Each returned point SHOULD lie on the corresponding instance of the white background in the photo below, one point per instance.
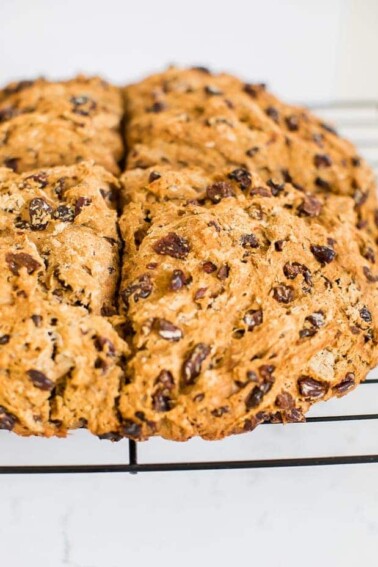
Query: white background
(306, 50)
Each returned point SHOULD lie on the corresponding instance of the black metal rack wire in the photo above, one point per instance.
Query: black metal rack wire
(358, 120)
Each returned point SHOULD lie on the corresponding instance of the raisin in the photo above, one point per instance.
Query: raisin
(252, 151)
(193, 363)
(157, 106)
(253, 89)
(278, 245)
(218, 191)
(322, 184)
(21, 260)
(253, 318)
(165, 380)
(7, 112)
(311, 388)
(83, 105)
(131, 429)
(40, 214)
(292, 123)
(310, 206)
(322, 160)
(110, 436)
(4, 339)
(11, 163)
(305, 333)
(102, 343)
(81, 203)
(60, 187)
(316, 319)
(40, 380)
(368, 253)
(275, 187)
(369, 275)
(37, 319)
(242, 176)
(273, 113)
(21, 224)
(212, 90)
(161, 402)
(200, 293)
(40, 179)
(139, 289)
(293, 269)
(285, 401)
(108, 310)
(365, 315)
(218, 412)
(346, 384)
(257, 394)
(223, 272)
(178, 280)
(323, 254)
(283, 293)
(360, 197)
(266, 371)
(101, 364)
(172, 245)
(154, 175)
(7, 419)
(249, 241)
(64, 213)
(294, 415)
(167, 330)
(209, 267)
(254, 398)
(261, 191)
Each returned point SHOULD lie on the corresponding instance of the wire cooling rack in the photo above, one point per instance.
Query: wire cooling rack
(347, 427)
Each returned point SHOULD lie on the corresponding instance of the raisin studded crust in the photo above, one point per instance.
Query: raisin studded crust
(242, 308)
(44, 124)
(239, 284)
(60, 367)
(192, 118)
(61, 360)
(68, 216)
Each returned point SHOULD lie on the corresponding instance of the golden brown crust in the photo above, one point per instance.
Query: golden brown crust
(60, 368)
(191, 118)
(61, 361)
(68, 214)
(44, 124)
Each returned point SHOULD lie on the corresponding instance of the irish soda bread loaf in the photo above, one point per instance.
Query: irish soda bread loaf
(239, 284)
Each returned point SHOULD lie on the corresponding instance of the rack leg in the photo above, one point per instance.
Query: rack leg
(133, 455)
